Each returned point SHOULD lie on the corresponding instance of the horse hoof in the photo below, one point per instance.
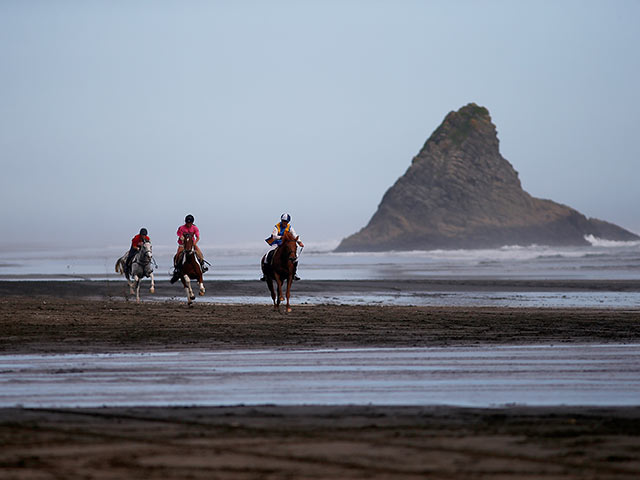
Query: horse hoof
(152, 290)
(202, 294)
(289, 310)
(193, 297)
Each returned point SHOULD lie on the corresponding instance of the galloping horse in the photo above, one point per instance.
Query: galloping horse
(141, 267)
(189, 269)
(282, 267)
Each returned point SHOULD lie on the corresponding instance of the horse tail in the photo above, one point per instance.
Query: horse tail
(119, 268)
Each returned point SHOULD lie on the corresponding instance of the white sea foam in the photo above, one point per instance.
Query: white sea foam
(601, 242)
(600, 259)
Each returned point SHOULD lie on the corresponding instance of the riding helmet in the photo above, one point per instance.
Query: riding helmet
(285, 217)
(188, 219)
(143, 231)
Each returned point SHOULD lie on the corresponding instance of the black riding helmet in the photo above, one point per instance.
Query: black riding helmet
(188, 219)
(143, 231)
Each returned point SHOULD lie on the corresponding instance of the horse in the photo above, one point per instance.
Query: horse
(281, 268)
(188, 269)
(141, 267)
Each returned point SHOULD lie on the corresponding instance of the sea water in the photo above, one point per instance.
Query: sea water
(598, 261)
(601, 260)
(479, 376)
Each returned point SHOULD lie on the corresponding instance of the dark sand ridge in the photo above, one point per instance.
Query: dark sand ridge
(118, 289)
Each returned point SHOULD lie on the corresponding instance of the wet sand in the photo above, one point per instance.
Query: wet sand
(316, 442)
(305, 441)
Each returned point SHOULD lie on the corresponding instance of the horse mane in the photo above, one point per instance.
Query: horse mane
(288, 237)
(188, 238)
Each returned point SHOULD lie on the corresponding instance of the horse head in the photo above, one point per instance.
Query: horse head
(188, 243)
(146, 250)
(290, 244)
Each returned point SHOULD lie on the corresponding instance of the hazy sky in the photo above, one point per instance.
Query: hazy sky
(121, 114)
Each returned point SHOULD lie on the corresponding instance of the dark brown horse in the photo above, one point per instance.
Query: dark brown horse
(281, 268)
(189, 268)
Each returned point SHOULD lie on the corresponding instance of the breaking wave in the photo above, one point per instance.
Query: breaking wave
(601, 242)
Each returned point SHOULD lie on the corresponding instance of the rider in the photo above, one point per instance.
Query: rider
(276, 237)
(189, 227)
(136, 243)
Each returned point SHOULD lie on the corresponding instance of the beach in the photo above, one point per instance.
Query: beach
(306, 441)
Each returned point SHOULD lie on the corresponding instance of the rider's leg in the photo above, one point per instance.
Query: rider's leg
(295, 271)
(201, 258)
(176, 257)
(127, 264)
(267, 260)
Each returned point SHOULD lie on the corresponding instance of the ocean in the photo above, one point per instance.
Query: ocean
(600, 261)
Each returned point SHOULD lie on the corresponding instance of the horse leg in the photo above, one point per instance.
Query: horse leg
(279, 284)
(153, 285)
(187, 287)
(136, 280)
(273, 292)
(201, 285)
(131, 283)
(289, 280)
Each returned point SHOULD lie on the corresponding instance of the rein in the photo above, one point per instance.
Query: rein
(138, 258)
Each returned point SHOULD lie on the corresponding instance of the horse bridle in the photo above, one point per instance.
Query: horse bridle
(190, 250)
(147, 255)
(293, 258)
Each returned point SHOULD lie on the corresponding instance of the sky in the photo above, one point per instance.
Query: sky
(122, 114)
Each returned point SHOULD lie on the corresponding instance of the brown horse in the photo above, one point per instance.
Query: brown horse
(281, 268)
(188, 268)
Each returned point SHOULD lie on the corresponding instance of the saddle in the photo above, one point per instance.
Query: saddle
(268, 259)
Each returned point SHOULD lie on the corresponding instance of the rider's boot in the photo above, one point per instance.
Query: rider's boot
(295, 271)
(203, 265)
(176, 270)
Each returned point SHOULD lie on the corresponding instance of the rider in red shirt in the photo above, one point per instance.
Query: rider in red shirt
(136, 243)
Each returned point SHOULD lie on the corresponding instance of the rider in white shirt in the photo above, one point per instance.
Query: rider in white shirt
(278, 231)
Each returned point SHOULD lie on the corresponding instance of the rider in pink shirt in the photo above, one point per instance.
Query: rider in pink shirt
(189, 227)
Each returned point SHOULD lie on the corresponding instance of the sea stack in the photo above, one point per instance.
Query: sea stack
(459, 192)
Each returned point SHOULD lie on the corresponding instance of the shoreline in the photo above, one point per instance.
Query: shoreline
(468, 292)
(79, 285)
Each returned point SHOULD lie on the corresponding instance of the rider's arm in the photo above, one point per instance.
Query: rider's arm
(293, 232)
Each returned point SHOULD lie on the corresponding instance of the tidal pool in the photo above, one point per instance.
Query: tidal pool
(482, 376)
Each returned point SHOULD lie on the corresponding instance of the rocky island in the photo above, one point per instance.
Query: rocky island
(459, 192)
